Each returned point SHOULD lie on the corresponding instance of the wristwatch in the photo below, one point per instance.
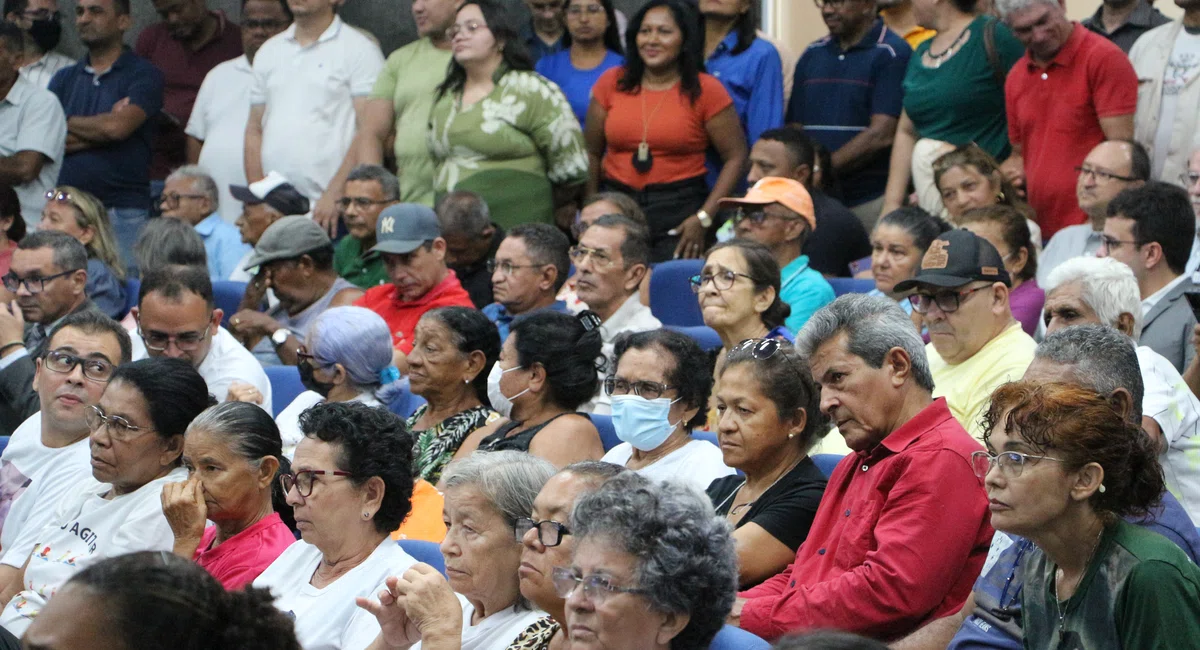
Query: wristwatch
(280, 336)
(705, 220)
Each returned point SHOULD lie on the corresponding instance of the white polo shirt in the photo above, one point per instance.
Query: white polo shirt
(32, 119)
(219, 121)
(309, 94)
(227, 361)
(1169, 402)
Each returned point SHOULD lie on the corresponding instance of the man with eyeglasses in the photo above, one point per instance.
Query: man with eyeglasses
(48, 274)
(975, 344)
(1091, 356)
(42, 23)
(778, 213)
(530, 267)
(1150, 229)
(216, 129)
(49, 452)
(544, 32)
(611, 259)
(178, 318)
(410, 241)
(190, 195)
(295, 261)
(1110, 168)
(471, 242)
(369, 189)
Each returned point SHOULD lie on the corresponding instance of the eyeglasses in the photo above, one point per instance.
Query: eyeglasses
(119, 428)
(722, 280)
(360, 202)
(1112, 244)
(173, 199)
(550, 533)
(600, 259)
(760, 349)
(60, 196)
(646, 389)
(1189, 179)
(758, 217)
(1010, 462)
(596, 588)
(304, 479)
(185, 341)
(947, 301)
(33, 285)
(261, 24)
(545, 6)
(1102, 176)
(470, 28)
(507, 268)
(98, 370)
(40, 14)
(591, 10)
(821, 4)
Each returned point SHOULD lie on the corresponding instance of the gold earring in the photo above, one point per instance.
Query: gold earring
(1000, 195)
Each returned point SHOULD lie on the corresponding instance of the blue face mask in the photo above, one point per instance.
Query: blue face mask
(643, 423)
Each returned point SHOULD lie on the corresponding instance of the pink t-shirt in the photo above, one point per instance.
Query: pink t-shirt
(241, 558)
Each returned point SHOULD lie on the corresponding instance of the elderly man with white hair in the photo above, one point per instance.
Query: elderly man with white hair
(1104, 291)
(192, 196)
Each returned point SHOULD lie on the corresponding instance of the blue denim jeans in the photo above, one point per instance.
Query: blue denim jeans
(127, 224)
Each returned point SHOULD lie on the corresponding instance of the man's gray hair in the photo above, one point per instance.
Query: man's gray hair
(685, 556)
(388, 183)
(1101, 359)
(1006, 8)
(509, 480)
(203, 183)
(463, 212)
(69, 254)
(1106, 285)
(873, 326)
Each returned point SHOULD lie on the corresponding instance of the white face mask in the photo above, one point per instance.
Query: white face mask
(500, 402)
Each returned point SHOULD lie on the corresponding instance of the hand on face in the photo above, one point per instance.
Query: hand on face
(12, 323)
(185, 510)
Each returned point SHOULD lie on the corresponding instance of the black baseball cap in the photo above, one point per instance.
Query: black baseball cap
(275, 191)
(955, 258)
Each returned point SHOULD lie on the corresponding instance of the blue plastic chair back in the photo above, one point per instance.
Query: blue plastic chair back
(671, 297)
(228, 296)
(733, 638)
(608, 434)
(704, 336)
(827, 462)
(423, 551)
(843, 286)
(285, 386)
(707, 436)
(3, 443)
(132, 287)
(405, 403)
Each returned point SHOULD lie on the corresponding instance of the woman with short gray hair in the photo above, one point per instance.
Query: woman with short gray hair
(478, 605)
(653, 567)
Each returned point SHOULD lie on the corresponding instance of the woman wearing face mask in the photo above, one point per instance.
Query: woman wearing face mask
(659, 390)
(546, 371)
(347, 357)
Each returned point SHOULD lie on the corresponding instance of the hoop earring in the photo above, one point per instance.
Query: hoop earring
(1000, 195)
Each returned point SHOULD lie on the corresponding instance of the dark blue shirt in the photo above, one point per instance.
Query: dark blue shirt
(499, 315)
(536, 46)
(576, 84)
(117, 173)
(836, 92)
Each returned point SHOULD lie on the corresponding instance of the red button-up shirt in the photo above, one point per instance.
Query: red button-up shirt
(402, 316)
(899, 539)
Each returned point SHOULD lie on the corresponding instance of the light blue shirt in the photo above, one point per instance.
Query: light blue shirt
(804, 290)
(499, 315)
(223, 246)
(754, 80)
(1072, 241)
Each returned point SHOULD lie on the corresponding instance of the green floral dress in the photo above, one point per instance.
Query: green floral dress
(512, 147)
(434, 448)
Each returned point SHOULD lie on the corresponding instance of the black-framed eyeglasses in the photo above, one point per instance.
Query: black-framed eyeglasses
(469, 27)
(261, 24)
(947, 301)
(41, 14)
(173, 199)
(592, 10)
(507, 268)
(119, 428)
(760, 349)
(646, 389)
(360, 202)
(549, 533)
(758, 217)
(33, 285)
(1101, 175)
(1189, 179)
(185, 341)
(304, 479)
(97, 370)
(1112, 243)
(1010, 462)
(596, 588)
(722, 280)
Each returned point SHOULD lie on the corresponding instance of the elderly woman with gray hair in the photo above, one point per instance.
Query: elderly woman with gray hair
(478, 605)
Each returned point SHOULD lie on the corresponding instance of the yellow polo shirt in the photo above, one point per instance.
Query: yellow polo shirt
(968, 386)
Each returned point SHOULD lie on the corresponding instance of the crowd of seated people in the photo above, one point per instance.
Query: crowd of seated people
(599, 331)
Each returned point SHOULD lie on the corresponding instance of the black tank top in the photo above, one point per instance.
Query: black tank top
(500, 441)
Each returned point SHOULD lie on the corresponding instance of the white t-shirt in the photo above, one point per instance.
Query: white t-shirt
(88, 528)
(52, 473)
(1170, 403)
(328, 619)
(219, 121)
(288, 419)
(308, 93)
(697, 464)
(495, 632)
(227, 361)
(1182, 67)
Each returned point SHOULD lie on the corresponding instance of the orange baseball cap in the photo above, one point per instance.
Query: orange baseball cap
(784, 191)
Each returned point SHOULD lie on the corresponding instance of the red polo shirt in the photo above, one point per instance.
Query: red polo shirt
(1054, 115)
(899, 539)
(402, 316)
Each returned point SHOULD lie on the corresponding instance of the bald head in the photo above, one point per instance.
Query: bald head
(1112, 166)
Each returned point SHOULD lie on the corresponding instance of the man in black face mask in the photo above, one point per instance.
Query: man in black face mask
(43, 28)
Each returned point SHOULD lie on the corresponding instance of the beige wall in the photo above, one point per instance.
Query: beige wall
(798, 22)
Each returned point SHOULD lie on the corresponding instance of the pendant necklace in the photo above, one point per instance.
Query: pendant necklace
(643, 160)
(939, 58)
